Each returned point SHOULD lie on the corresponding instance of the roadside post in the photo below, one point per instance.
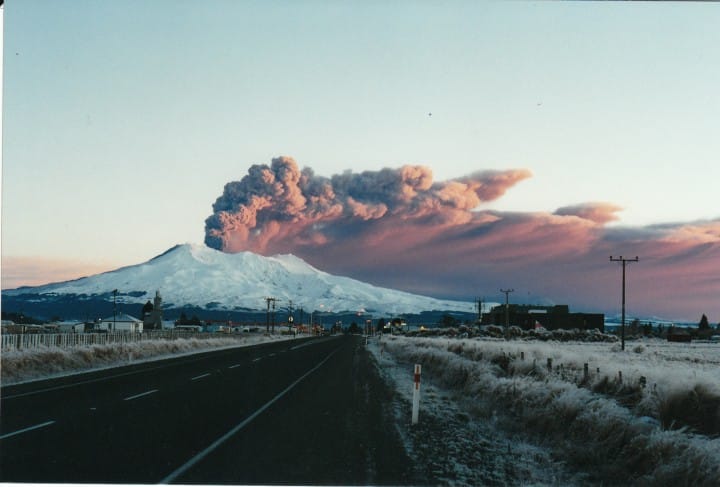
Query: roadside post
(416, 395)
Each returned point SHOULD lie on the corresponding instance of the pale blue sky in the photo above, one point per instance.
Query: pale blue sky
(124, 120)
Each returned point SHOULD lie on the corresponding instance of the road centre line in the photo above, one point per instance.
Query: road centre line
(25, 430)
(147, 393)
(201, 376)
(257, 359)
(234, 366)
(214, 445)
(312, 342)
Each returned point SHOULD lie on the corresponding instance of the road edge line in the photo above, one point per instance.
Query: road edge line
(25, 430)
(215, 444)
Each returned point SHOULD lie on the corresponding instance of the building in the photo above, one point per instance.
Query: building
(120, 322)
(677, 334)
(70, 327)
(152, 313)
(549, 317)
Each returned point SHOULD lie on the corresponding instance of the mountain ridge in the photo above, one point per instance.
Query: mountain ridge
(197, 275)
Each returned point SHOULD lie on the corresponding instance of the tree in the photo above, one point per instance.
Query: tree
(447, 321)
(634, 327)
(146, 309)
(704, 324)
(381, 325)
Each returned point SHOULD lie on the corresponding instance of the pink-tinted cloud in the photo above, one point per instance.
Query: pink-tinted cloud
(596, 212)
(36, 271)
(399, 228)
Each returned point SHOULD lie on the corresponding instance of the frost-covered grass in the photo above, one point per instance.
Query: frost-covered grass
(452, 446)
(659, 425)
(47, 362)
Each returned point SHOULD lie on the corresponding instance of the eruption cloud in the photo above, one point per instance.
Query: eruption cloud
(277, 203)
(399, 228)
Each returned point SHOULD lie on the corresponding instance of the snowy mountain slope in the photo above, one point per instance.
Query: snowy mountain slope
(197, 275)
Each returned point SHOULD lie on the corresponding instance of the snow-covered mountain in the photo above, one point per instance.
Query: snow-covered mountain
(197, 275)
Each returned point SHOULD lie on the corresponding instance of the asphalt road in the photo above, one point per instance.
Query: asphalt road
(308, 411)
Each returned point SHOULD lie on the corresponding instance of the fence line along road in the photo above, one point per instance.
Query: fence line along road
(69, 340)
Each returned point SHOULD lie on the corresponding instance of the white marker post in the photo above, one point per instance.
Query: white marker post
(416, 395)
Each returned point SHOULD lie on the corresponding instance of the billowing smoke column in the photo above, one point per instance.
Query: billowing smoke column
(279, 208)
(397, 228)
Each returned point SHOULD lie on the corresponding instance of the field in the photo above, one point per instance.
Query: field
(649, 415)
(48, 362)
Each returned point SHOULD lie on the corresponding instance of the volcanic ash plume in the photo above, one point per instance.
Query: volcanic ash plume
(280, 208)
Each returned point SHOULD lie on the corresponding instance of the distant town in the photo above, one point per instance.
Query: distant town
(506, 320)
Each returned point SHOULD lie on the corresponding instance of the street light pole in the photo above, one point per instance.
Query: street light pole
(624, 262)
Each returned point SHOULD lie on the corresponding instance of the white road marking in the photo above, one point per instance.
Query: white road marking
(312, 342)
(25, 430)
(147, 393)
(201, 376)
(174, 362)
(234, 366)
(257, 359)
(214, 445)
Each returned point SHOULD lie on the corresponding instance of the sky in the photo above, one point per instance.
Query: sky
(583, 130)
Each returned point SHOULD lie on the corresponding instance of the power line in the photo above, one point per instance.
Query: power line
(624, 262)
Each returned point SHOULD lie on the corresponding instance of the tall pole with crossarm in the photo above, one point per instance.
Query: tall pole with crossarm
(624, 262)
(507, 307)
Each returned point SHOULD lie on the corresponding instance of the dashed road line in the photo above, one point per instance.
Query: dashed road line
(257, 359)
(234, 366)
(314, 341)
(146, 393)
(173, 363)
(25, 430)
(214, 445)
(201, 376)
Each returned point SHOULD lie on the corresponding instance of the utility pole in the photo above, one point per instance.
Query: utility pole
(507, 307)
(624, 262)
(267, 315)
(479, 310)
(291, 318)
(114, 309)
(274, 315)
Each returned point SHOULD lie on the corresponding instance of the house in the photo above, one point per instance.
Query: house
(676, 334)
(120, 322)
(70, 327)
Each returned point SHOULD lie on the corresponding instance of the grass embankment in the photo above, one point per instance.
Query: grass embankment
(659, 425)
(46, 362)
